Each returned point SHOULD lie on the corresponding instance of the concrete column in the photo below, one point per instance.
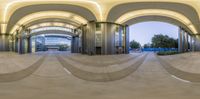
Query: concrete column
(183, 40)
(83, 40)
(29, 48)
(120, 36)
(75, 44)
(197, 42)
(180, 40)
(186, 41)
(104, 38)
(192, 43)
(127, 39)
(11, 43)
(22, 42)
(20, 45)
(90, 38)
(4, 42)
(23, 45)
(29, 44)
(16, 44)
(110, 38)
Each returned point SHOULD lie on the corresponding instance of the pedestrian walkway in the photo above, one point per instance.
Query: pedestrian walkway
(56, 77)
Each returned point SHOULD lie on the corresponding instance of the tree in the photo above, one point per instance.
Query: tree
(63, 47)
(134, 44)
(164, 41)
(148, 45)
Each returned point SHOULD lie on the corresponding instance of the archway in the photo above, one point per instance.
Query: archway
(110, 37)
(154, 36)
(25, 39)
(187, 28)
(36, 21)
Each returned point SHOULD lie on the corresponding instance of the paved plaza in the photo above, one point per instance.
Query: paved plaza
(51, 75)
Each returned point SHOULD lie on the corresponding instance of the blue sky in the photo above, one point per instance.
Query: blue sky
(144, 31)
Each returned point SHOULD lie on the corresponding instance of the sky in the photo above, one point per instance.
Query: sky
(144, 31)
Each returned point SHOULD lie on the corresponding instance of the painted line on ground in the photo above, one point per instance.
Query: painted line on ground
(67, 71)
(186, 81)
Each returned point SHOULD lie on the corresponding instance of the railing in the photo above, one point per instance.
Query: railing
(159, 49)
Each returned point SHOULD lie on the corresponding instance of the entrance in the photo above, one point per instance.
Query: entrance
(51, 42)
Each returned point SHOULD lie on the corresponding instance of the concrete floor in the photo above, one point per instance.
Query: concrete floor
(63, 76)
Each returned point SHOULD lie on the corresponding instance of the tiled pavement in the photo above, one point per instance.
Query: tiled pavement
(54, 80)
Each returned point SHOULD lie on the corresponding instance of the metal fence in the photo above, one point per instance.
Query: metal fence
(159, 49)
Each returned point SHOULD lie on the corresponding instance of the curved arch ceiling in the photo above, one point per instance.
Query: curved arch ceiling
(53, 20)
(158, 19)
(48, 14)
(51, 24)
(159, 12)
(52, 32)
(102, 9)
(13, 6)
(181, 7)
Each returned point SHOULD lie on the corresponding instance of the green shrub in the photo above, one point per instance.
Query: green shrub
(167, 53)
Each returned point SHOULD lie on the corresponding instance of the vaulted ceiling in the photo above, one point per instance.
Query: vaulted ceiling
(188, 11)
